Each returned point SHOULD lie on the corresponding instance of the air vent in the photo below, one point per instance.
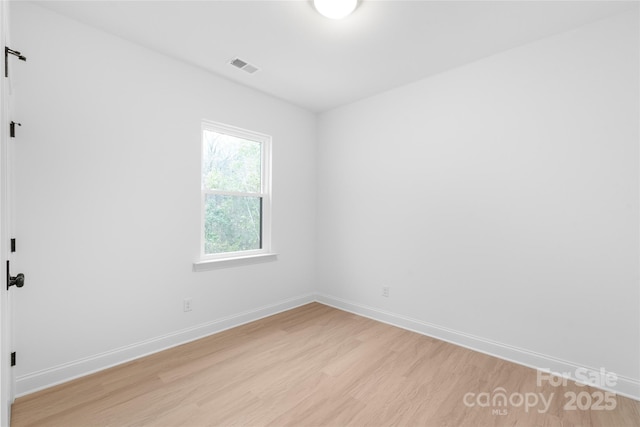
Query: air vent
(243, 65)
(250, 69)
(239, 63)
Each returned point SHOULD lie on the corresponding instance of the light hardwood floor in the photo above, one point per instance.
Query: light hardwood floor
(313, 366)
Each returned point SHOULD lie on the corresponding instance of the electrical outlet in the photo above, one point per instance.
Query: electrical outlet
(187, 304)
(385, 291)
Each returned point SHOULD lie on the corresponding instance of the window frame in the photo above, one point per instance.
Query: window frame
(264, 195)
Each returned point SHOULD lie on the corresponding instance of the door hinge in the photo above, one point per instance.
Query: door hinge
(13, 359)
(7, 52)
(12, 128)
(13, 245)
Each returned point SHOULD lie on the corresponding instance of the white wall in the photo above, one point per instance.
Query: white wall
(499, 201)
(107, 187)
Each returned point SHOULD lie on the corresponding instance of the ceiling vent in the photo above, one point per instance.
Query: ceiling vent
(243, 65)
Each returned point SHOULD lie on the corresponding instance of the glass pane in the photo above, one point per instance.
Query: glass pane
(232, 223)
(230, 163)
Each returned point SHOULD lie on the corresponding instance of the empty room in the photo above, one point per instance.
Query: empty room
(320, 213)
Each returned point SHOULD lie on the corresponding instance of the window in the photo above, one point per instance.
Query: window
(236, 203)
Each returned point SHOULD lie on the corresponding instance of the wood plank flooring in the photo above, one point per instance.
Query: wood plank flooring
(315, 366)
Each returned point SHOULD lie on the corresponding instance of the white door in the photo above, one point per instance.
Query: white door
(7, 380)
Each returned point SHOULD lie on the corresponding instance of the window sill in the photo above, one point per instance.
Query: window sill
(214, 264)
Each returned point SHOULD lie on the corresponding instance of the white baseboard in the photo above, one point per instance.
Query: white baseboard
(625, 386)
(45, 378)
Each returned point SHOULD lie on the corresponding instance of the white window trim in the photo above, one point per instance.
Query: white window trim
(214, 264)
(229, 259)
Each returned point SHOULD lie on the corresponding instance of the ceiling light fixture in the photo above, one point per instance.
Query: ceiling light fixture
(335, 9)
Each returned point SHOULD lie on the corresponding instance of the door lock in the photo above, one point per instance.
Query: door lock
(17, 281)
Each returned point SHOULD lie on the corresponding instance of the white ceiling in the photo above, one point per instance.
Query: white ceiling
(319, 63)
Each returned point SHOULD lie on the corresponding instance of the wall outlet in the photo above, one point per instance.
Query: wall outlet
(187, 304)
(385, 291)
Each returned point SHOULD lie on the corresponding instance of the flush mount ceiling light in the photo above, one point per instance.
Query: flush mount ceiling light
(335, 9)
